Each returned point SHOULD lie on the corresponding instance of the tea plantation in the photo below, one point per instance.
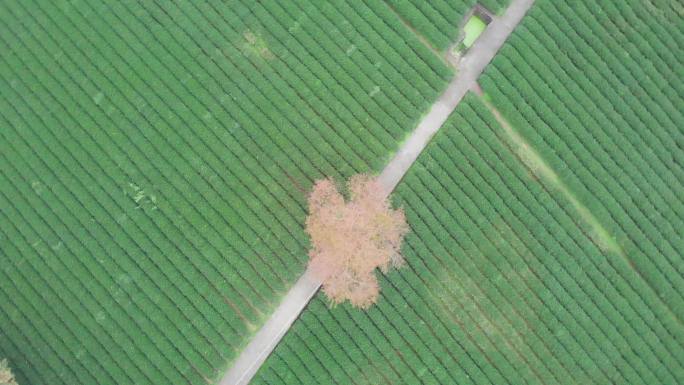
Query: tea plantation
(155, 159)
(507, 280)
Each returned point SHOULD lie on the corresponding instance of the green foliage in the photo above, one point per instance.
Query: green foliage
(603, 113)
(155, 158)
(439, 21)
(503, 284)
(428, 25)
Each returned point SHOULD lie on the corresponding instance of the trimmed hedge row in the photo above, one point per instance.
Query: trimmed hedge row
(155, 166)
(414, 16)
(503, 284)
(610, 146)
(439, 20)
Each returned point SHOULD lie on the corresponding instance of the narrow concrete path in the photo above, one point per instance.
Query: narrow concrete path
(469, 69)
(266, 339)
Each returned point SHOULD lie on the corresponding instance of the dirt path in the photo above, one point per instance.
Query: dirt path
(468, 70)
(537, 166)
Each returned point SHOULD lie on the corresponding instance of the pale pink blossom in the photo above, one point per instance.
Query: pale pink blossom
(350, 239)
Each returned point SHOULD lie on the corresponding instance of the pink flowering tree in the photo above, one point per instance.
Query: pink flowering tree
(351, 238)
(6, 376)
